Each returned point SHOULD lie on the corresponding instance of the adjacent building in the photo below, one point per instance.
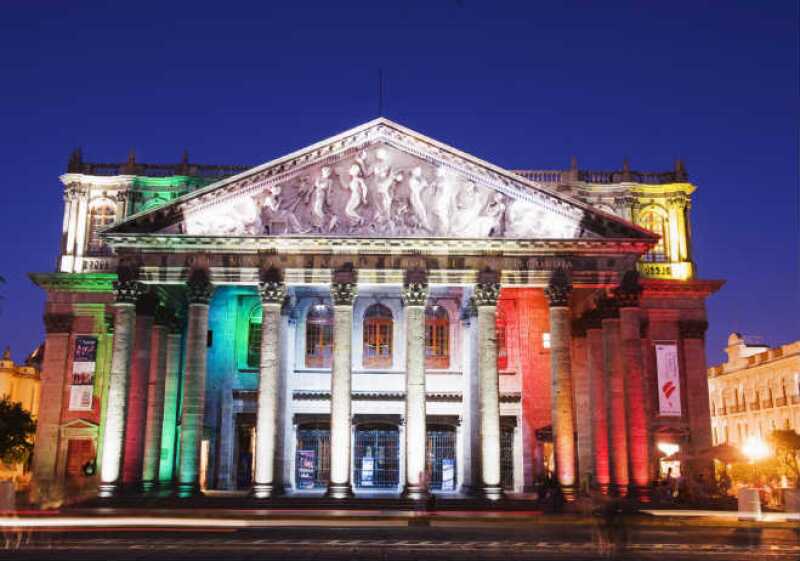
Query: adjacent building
(755, 392)
(377, 312)
(20, 383)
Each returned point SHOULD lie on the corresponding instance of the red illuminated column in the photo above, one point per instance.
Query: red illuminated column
(155, 399)
(627, 295)
(598, 380)
(694, 357)
(615, 398)
(561, 368)
(137, 391)
(582, 402)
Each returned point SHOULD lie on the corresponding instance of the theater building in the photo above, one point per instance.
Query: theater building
(376, 313)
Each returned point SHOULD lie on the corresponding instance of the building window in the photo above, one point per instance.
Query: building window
(319, 336)
(502, 347)
(440, 452)
(376, 457)
(313, 456)
(254, 337)
(656, 222)
(102, 215)
(437, 337)
(378, 326)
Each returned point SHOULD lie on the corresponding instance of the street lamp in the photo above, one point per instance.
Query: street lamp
(756, 450)
(749, 501)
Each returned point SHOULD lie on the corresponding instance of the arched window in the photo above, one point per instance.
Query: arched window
(254, 321)
(319, 336)
(378, 337)
(502, 347)
(101, 215)
(656, 223)
(437, 337)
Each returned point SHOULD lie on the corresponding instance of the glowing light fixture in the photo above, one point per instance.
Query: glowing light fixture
(668, 448)
(755, 449)
(546, 340)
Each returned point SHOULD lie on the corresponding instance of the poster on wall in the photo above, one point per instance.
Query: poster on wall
(305, 469)
(448, 474)
(84, 361)
(367, 471)
(669, 384)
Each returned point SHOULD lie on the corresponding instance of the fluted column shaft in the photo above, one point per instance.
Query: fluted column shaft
(615, 403)
(126, 292)
(272, 294)
(155, 402)
(169, 434)
(194, 385)
(414, 297)
(341, 384)
(595, 364)
(486, 295)
(561, 378)
(638, 441)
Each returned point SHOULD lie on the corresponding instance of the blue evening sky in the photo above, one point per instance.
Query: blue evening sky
(523, 85)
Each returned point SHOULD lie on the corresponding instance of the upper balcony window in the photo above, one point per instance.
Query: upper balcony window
(378, 326)
(655, 220)
(101, 215)
(437, 337)
(319, 336)
(254, 322)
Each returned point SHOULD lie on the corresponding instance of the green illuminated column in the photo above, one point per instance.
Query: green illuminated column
(166, 466)
(486, 294)
(343, 292)
(272, 294)
(126, 292)
(415, 294)
(200, 290)
(155, 399)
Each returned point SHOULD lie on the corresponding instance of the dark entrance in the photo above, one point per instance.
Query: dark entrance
(376, 457)
(312, 464)
(440, 454)
(245, 448)
(507, 456)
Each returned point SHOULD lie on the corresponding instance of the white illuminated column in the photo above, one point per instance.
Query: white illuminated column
(486, 295)
(272, 295)
(200, 290)
(343, 294)
(126, 292)
(415, 295)
(561, 376)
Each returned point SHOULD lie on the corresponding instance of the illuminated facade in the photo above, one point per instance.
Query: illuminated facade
(755, 392)
(20, 384)
(376, 312)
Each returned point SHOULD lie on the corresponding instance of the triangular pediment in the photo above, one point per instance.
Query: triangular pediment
(379, 180)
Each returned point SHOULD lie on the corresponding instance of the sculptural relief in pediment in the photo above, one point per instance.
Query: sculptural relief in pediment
(379, 190)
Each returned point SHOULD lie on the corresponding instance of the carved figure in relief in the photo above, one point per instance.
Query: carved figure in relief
(417, 184)
(491, 223)
(385, 179)
(319, 195)
(444, 200)
(358, 194)
(271, 203)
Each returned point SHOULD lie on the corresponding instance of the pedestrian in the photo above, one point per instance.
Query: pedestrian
(12, 535)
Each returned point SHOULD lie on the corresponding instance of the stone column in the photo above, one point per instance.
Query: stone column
(486, 295)
(627, 294)
(415, 294)
(135, 419)
(200, 290)
(169, 432)
(155, 399)
(615, 398)
(595, 365)
(126, 292)
(582, 405)
(695, 375)
(557, 293)
(343, 292)
(272, 292)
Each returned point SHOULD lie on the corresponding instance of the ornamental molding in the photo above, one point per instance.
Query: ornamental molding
(75, 282)
(558, 289)
(127, 291)
(628, 292)
(199, 287)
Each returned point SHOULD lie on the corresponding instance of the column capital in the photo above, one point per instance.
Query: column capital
(199, 287)
(486, 294)
(558, 289)
(415, 293)
(628, 292)
(343, 293)
(58, 323)
(272, 292)
(147, 303)
(693, 329)
(127, 291)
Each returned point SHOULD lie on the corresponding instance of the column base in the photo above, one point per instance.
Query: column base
(108, 490)
(643, 493)
(264, 490)
(416, 492)
(187, 490)
(620, 490)
(492, 492)
(604, 488)
(148, 486)
(570, 493)
(339, 491)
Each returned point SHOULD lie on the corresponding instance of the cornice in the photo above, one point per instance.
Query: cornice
(75, 282)
(658, 288)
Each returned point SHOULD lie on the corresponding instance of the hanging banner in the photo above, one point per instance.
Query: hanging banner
(669, 384)
(84, 361)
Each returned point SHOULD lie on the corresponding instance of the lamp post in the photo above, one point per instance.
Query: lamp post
(749, 501)
(756, 450)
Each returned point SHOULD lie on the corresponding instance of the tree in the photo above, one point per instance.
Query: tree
(17, 428)
(786, 445)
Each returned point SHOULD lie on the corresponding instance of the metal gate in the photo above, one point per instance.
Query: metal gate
(376, 462)
(507, 458)
(312, 465)
(440, 454)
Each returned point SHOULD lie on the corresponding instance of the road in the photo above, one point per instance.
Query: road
(392, 540)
